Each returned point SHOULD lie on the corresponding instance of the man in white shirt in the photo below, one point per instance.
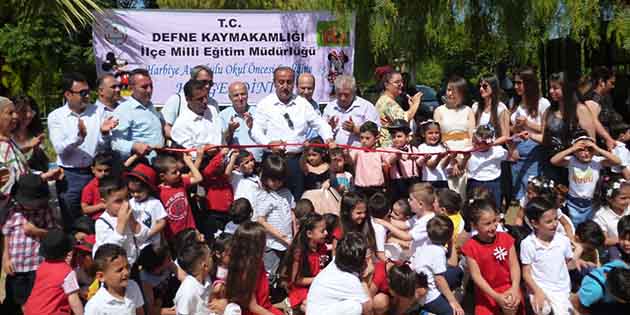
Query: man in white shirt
(176, 104)
(239, 119)
(200, 124)
(306, 88)
(348, 112)
(283, 117)
(77, 131)
(108, 93)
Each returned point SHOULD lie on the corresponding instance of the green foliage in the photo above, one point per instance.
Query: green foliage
(36, 51)
(73, 14)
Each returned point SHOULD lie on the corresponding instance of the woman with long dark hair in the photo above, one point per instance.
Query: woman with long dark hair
(528, 111)
(563, 119)
(29, 133)
(490, 110)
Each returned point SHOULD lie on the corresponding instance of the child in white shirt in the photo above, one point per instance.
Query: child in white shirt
(484, 163)
(547, 256)
(117, 225)
(148, 210)
(245, 182)
(430, 259)
(433, 166)
(118, 294)
(272, 209)
(193, 295)
(621, 132)
(617, 194)
(378, 207)
(584, 169)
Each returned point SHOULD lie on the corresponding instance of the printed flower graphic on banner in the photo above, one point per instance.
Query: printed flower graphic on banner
(500, 253)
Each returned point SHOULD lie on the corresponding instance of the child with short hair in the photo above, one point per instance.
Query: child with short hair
(484, 163)
(193, 294)
(118, 225)
(621, 133)
(245, 182)
(272, 209)
(616, 193)
(404, 170)
(584, 169)
(29, 219)
(430, 259)
(547, 257)
(91, 202)
(368, 166)
(157, 271)
(492, 263)
(56, 290)
(378, 208)
(240, 211)
(148, 210)
(407, 288)
(219, 194)
(118, 294)
(173, 193)
(421, 199)
(302, 208)
(604, 291)
(590, 237)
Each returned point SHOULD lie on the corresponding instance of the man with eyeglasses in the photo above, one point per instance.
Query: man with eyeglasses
(140, 125)
(282, 117)
(74, 133)
(176, 104)
(108, 92)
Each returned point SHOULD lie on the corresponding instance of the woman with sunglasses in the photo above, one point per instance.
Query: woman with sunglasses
(526, 118)
(492, 111)
(389, 110)
(566, 116)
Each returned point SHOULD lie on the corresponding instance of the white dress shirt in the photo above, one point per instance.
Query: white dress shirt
(271, 124)
(72, 150)
(191, 130)
(176, 105)
(103, 303)
(360, 111)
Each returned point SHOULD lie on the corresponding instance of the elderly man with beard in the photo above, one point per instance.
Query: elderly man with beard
(201, 124)
(74, 133)
(283, 117)
(348, 112)
(238, 119)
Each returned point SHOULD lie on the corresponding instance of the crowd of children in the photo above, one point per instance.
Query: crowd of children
(221, 234)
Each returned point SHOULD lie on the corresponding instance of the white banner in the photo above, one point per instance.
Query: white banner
(237, 45)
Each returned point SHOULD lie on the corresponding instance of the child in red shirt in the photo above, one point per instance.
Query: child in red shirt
(493, 264)
(56, 290)
(306, 256)
(247, 283)
(173, 195)
(91, 202)
(218, 186)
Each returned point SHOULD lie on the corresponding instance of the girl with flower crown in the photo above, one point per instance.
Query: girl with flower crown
(616, 195)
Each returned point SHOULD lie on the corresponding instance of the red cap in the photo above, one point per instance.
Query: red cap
(146, 174)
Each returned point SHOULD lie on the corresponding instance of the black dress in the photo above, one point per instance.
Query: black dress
(314, 180)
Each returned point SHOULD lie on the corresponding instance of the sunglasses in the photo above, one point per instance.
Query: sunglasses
(116, 86)
(146, 86)
(82, 93)
(288, 119)
(207, 82)
(484, 86)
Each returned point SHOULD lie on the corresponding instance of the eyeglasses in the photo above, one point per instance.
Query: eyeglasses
(82, 93)
(288, 119)
(207, 82)
(116, 86)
